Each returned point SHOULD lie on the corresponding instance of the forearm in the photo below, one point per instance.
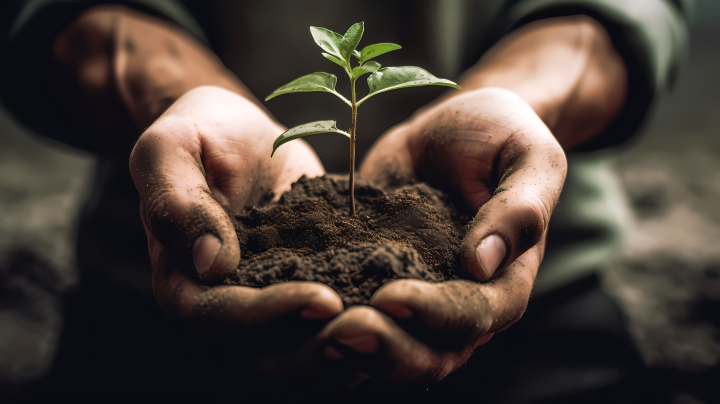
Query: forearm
(565, 68)
(116, 68)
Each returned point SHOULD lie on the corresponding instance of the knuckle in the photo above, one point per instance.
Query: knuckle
(156, 203)
(142, 157)
(540, 207)
(175, 223)
(511, 316)
(157, 199)
(536, 219)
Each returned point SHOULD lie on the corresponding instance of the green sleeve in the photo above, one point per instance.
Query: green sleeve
(30, 11)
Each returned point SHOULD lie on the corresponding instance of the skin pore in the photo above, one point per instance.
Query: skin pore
(204, 155)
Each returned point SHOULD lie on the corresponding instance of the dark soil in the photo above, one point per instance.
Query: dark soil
(410, 231)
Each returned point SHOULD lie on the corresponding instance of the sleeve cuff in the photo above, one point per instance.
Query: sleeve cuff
(167, 9)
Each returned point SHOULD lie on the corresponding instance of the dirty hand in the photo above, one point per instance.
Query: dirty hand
(490, 142)
(198, 163)
(491, 147)
(205, 159)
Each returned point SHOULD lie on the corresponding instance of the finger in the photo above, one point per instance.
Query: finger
(532, 169)
(278, 321)
(451, 315)
(262, 312)
(445, 315)
(273, 327)
(281, 314)
(367, 340)
(246, 307)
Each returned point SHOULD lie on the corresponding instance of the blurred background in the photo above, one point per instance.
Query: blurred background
(667, 281)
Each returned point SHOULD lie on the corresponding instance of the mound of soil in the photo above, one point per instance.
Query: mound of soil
(410, 231)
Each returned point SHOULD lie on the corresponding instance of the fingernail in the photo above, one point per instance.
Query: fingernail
(205, 250)
(365, 343)
(490, 253)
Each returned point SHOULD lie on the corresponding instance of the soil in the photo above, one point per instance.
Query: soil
(409, 231)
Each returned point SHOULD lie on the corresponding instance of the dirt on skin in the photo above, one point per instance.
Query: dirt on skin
(410, 231)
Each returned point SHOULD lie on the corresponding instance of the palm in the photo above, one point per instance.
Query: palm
(461, 139)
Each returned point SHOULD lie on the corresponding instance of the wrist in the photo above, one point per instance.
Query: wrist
(566, 69)
(157, 64)
(126, 68)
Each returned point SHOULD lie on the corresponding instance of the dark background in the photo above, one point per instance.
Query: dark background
(667, 282)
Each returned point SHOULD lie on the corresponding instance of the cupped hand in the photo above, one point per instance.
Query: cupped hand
(204, 160)
(492, 148)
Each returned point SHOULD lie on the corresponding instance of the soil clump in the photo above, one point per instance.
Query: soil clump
(408, 231)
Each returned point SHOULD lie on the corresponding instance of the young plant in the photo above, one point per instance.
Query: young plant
(340, 49)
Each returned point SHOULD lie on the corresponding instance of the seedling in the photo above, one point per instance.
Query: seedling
(340, 50)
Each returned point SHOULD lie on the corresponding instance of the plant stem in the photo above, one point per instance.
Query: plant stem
(352, 148)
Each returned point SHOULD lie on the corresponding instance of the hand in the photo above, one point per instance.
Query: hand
(204, 160)
(195, 167)
(492, 147)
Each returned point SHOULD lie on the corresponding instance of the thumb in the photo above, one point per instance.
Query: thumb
(205, 251)
(179, 209)
(533, 168)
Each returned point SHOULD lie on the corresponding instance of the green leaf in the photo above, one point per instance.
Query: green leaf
(334, 59)
(306, 129)
(392, 78)
(351, 40)
(356, 54)
(376, 50)
(328, 40)
(319, 81)
(369, 67)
